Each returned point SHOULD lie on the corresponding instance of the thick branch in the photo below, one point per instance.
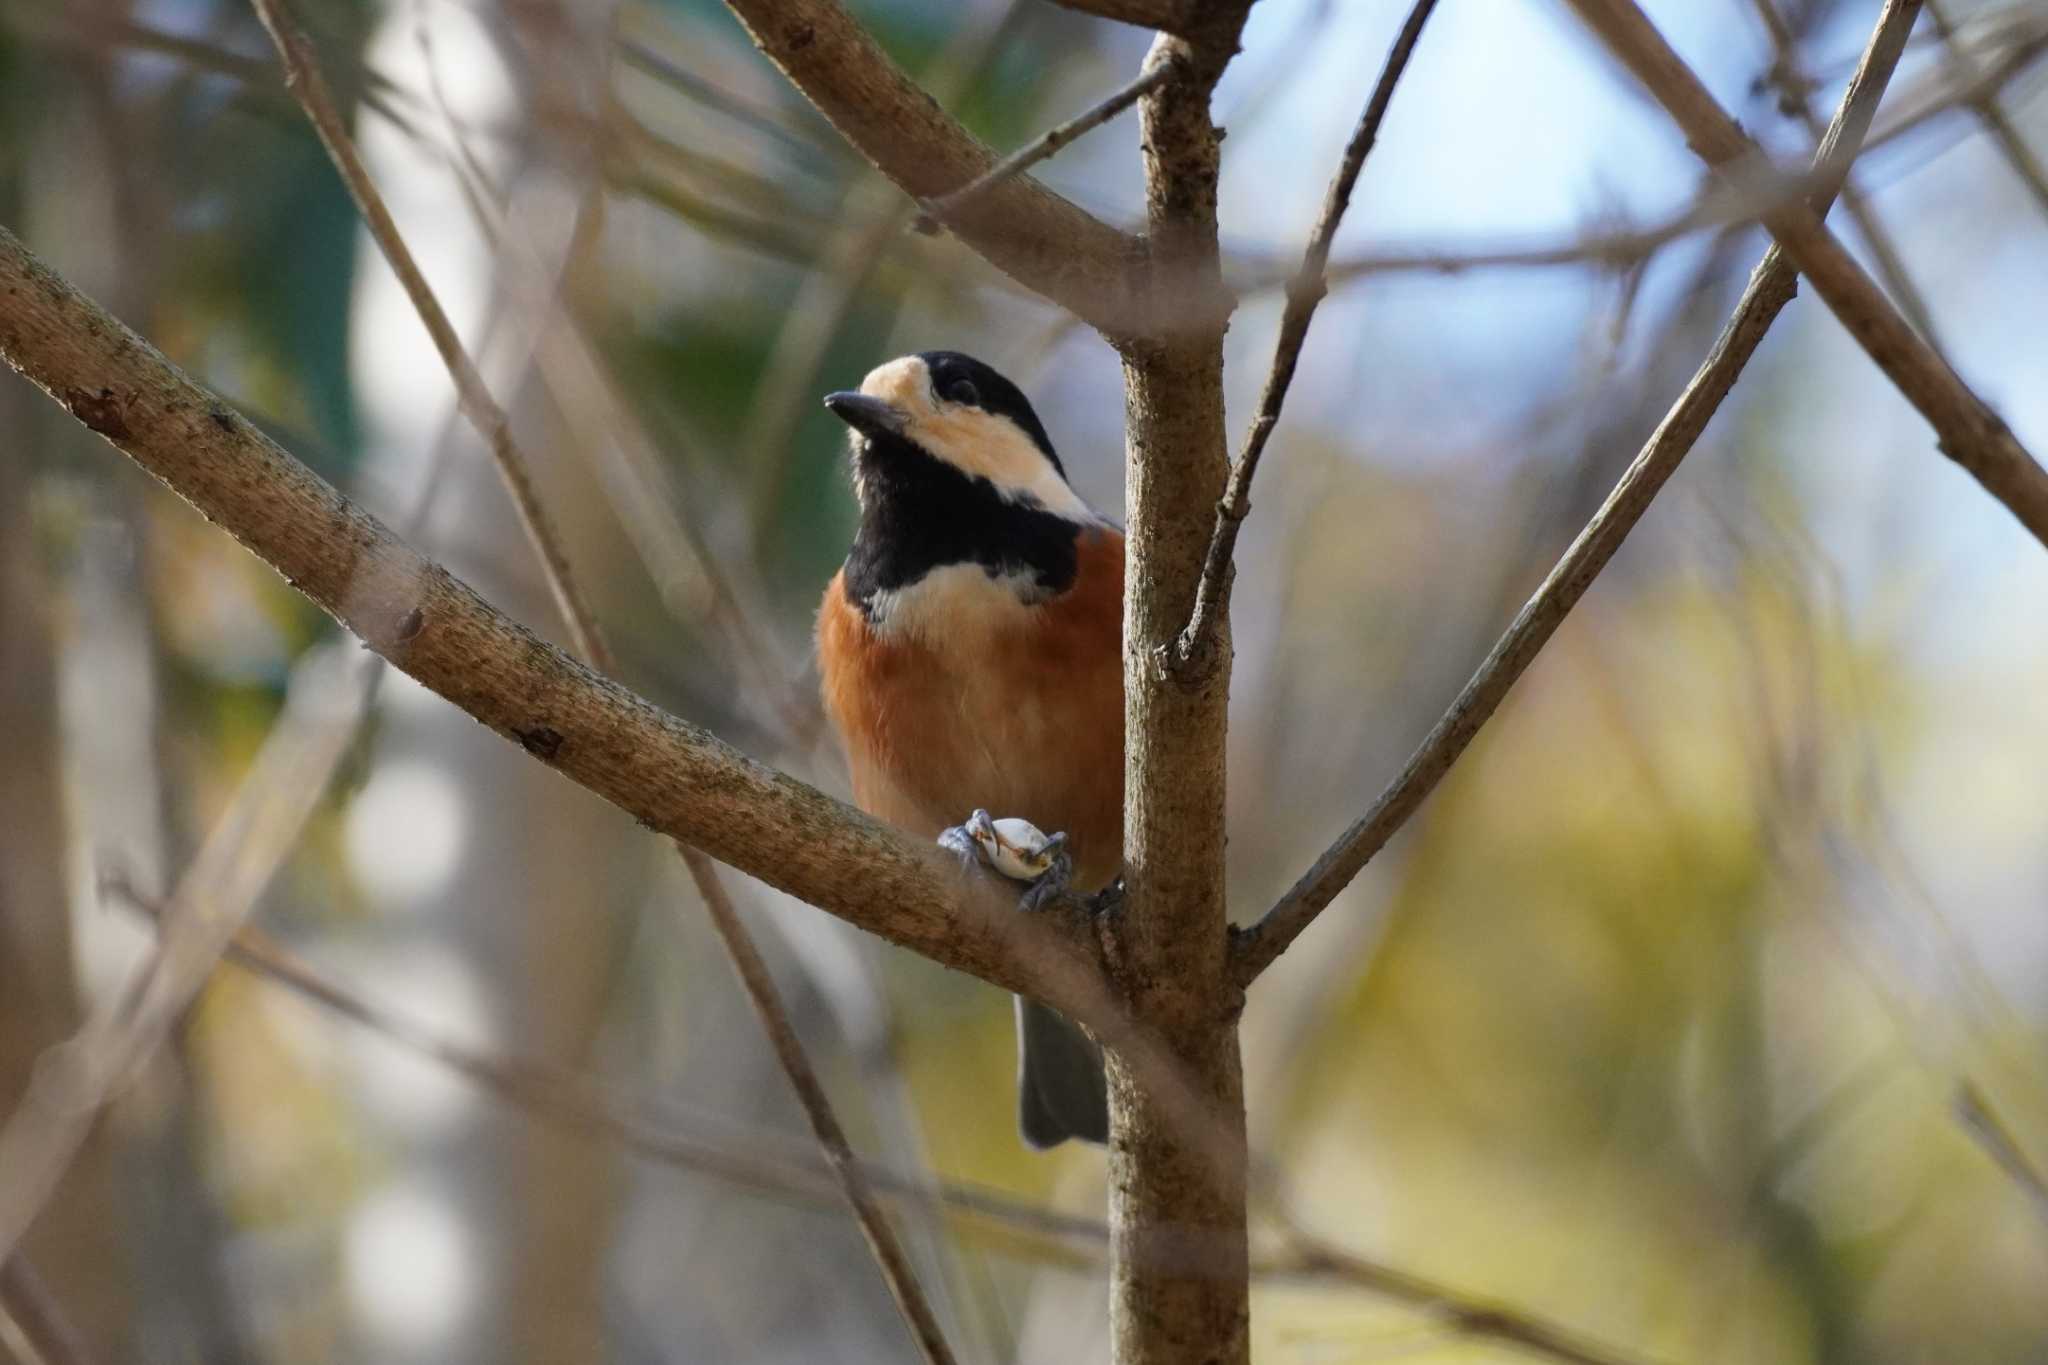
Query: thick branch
(1041, 240)
(1771, 287)
(1175, 1190)
(1194, 651)
(1971, 434)
(674, 777)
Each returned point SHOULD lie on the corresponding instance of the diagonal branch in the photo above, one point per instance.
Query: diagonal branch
(302, 76)
(853, 1182)
(33, 1324)
(1970, 433)
(674, 777)
(1771, 287)
(942, 207)
(1043, 241)
(2025, 164)
(304, 79)
(600, 1112)
(1194, 654)
(1794, 88)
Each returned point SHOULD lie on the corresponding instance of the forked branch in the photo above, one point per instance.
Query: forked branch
(1036, 237)
(1970, 433)
(1771, 287)
(1193, 657)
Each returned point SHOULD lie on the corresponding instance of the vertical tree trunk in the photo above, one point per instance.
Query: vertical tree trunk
(1177, 1200)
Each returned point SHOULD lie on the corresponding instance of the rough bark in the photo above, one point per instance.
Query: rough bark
(1042, 241)
(1177, 1199)
(674, 777)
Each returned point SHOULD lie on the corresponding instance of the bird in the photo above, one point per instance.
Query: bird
(970, 651)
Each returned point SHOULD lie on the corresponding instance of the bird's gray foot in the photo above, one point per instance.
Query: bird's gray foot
(1016, 849)
(970, 841)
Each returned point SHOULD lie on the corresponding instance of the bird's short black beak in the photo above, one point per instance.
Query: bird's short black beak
(869, 416)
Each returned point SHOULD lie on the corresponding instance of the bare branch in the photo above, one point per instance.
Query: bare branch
(1194, 653)
(817, 1106)
(1043, 241)
(1771, 287)
(578, 1103)
(304, 79)
(33, 1324)
(1312, 1258)
(1794, 87)
(1970, 433)
(244, 849)
(676, 778)
(1995, 1136)
(1170, 943)
(2025, 164)
(942, 208)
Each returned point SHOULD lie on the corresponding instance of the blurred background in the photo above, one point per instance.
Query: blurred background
(1700, 1012)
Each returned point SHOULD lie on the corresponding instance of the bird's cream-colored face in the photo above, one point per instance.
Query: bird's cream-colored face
(976, 442)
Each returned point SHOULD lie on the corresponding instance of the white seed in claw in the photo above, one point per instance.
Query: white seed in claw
(1016, 848)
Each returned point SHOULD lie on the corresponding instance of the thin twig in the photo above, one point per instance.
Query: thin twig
(1043, 241)
(1771, 287)
(1307, 1256)
(817, 1106)
(940, 208)
(33, 1323)
(1995, 1136)
(303, 78)
(1794, 86)
(1969, 432)
(1193, 659)
(604, 1112)
(2025, 164)
(259, 828)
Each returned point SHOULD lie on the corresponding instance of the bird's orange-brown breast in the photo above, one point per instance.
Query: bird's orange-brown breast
(961, 696)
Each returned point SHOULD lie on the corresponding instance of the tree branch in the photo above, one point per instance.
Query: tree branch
(589, 1107)
(888, 1252)
(303, 78)
(1970, 433)
(41, 1332)
(1794, 87)
(1175, 1189)
(1194, 651)
(1041, 240)
(943, 207)
(2025, 164)
(1771, 287)
(674, 777)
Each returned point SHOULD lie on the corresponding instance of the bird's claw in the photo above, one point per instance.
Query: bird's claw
(1016, 849)
(970, 840)
(1053, 882)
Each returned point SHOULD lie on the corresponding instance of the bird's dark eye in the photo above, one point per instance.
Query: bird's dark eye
(962, 391)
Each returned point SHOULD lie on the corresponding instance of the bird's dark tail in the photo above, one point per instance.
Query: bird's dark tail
(1061, 1090)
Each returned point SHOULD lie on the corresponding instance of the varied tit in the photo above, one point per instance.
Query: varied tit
(972, 656)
